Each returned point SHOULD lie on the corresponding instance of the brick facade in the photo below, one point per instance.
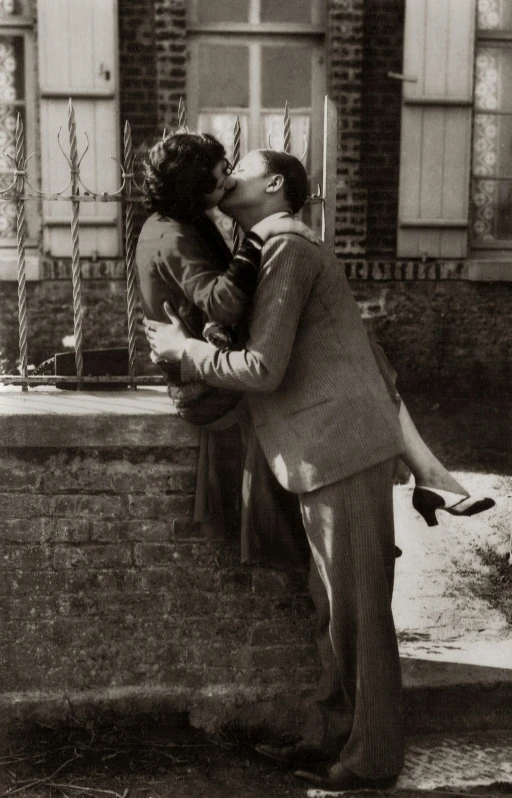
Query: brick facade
(108, 593)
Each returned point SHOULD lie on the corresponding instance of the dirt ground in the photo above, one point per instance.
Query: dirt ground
(149, 757)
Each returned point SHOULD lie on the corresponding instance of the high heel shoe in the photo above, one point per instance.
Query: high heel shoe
(427, 500)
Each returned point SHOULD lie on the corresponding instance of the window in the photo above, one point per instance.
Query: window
(491, 185)
(16, 95)
(247, 58)
(435, 149)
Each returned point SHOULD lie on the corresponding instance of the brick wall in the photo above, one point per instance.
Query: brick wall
(50, 315)
(443, 338)
(381, 110)
(345, 53)
(108, 594)
(171, 55)
(137, 68)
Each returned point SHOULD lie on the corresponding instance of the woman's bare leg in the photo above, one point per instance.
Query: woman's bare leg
(427, 470)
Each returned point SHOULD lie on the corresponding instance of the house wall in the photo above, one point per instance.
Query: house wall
(432, 320)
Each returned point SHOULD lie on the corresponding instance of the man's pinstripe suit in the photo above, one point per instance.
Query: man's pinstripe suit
(330, 432)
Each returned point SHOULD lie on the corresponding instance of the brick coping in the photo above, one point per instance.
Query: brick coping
(52, 417)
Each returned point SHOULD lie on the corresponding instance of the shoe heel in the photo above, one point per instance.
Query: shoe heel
(426, 503)
(429, 515)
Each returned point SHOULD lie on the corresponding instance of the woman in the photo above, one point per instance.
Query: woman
(182, 259)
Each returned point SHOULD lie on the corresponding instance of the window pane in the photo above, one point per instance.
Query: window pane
(8, 116)
(286, 11)
(11, 69)
(492, 145)
(493, 84)
(494, 15)
(223, 76)
(11, 89)
(286, 75)
(13, 8)
(223, 11)
(492, 211)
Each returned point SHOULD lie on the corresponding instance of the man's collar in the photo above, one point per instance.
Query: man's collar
(279, 215)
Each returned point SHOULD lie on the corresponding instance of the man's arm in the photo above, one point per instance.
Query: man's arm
(286, 278)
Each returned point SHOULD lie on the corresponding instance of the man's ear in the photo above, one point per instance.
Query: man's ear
(275, 183)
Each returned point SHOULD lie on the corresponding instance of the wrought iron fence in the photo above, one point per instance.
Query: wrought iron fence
(75, 192)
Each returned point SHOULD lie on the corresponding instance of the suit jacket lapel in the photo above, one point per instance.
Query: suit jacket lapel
(213, 239)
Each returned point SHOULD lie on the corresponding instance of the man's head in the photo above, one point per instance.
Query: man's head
(266, 182)
(186, 174)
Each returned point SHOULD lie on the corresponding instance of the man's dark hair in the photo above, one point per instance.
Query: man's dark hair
(295, 184)
(178, 173)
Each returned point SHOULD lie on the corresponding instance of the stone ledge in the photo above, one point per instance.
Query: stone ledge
(51, 417)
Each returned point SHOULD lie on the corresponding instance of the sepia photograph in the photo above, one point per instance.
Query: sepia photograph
(255, 398)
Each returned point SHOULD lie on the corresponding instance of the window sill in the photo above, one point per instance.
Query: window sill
(488, 271)
(9, 265)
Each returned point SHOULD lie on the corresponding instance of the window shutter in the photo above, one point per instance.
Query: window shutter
(436, 128)
(78, 59)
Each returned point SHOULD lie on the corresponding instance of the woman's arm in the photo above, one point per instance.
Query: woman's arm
(224, 296)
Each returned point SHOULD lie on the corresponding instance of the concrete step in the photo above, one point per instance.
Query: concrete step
(460, 762)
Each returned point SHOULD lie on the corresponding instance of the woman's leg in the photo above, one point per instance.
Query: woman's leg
(427, 470)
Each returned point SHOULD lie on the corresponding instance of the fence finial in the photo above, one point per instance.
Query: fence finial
(182, 114)
(287, 128)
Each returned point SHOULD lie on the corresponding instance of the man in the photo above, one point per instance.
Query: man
(330, 433)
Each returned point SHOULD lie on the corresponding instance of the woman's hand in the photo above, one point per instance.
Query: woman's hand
(287, 224)
(167, 341)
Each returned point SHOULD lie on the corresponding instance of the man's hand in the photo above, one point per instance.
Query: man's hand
(268, 228)
(167, 341)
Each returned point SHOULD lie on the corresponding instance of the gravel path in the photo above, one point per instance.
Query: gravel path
(436, 607)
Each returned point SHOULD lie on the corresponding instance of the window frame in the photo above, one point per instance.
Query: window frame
(23, 27)
(488, 249)
(255, 36)
(317, 25)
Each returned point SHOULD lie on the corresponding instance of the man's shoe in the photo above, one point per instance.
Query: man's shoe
(295, 754)
(343, 779)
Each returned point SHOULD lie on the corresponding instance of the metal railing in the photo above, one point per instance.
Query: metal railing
(75, 192)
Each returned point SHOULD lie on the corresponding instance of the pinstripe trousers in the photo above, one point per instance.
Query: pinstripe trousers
(350, 529)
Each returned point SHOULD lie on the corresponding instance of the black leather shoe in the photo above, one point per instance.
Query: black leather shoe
(294, 754)
(343, 779)
(428, 500)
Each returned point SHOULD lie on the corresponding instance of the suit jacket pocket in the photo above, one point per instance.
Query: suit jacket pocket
(297, 410)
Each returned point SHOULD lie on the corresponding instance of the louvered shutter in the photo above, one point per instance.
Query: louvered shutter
(436, 128)
(78, 59)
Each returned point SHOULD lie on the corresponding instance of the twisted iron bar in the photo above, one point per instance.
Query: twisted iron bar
(235, 234)
(131, 291)
(75, 243)
(286, 128)
(20, 247)
(16, 192)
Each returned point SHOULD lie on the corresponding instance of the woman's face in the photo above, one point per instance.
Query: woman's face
(223, 183)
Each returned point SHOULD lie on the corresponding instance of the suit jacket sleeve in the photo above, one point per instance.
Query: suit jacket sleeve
(286, 278)
(222, 296)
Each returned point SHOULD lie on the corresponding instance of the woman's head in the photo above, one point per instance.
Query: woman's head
(185, 174)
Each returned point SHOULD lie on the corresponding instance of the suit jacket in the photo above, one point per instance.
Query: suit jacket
(318, 401)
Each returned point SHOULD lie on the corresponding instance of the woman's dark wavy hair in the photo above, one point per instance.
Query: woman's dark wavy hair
(177, 173)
